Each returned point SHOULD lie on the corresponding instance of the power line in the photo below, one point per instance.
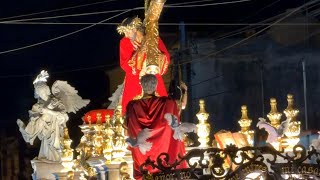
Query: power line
(60, 72)
(191, 2)
(195, 84)
(85, 5)
(122, 10)
(210, 95)
(69, 15)
(166, 24)
(62, 36)
(209, 4)
(260, 10)
(245, 39)
(55, 10)
(244, 29)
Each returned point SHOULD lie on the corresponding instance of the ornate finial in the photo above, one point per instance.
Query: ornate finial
(202, 115)
(290, 112)
(108, 121)
(89, 120)
(292, 128)
(274, 116)
(203, 126)
(245, 124)
(99, 117)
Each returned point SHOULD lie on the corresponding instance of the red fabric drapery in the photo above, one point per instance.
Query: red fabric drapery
(132, 63)
(149, 113)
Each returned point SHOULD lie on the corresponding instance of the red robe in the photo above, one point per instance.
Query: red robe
(132, 63)
(149, 113)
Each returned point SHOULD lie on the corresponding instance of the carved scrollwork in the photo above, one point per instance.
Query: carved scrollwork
(236, 163)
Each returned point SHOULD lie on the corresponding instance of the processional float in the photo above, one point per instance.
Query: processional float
(102, 151)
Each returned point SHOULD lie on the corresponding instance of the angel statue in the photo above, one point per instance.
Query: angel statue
(48, 117)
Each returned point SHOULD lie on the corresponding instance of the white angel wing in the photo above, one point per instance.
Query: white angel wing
(168, 117)
(142, 142)
(116, 97)
(316, 143)
(272, 132)
(183, 128)
(69, 96)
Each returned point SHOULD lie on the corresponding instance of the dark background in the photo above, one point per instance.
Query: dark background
(75, 58)
(83, 58)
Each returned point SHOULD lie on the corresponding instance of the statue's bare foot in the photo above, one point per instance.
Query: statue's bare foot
(20, 124)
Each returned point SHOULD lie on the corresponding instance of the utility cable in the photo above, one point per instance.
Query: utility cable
(169, 24)
(209, 4)
(65, 35)
(56, 10)
(60, 72)
(122, 10)
(247, 38)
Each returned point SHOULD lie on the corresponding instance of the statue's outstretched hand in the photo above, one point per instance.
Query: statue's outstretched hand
(20, 123)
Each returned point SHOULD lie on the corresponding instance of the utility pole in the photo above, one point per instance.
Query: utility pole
(305, 92)
(186, 72)
(262, 86)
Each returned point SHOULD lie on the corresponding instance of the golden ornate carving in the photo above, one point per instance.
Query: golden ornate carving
(152, 14)
(98, 139)
(67, 152)
(108, 143)
(292, 131)
(203, 127)
(245, 124)
(119, 143)
(85, 150)
(274, 116)
(123, 170)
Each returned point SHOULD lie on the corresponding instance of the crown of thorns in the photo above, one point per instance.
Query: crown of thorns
(127, 25)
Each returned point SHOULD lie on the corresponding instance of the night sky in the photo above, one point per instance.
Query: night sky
(82, 58)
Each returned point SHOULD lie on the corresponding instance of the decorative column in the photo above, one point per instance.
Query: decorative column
(292, 127)
(203, 127)
(108, 143)
(274, 117)
(67, 152)
(119, 143)
(245, 124)
(98, 137)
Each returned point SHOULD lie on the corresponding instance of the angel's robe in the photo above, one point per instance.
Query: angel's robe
(149, 113)
(133, 63)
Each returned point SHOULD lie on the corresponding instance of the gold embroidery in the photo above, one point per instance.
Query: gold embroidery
(140, 60)
(132, 63)
(138, 96)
